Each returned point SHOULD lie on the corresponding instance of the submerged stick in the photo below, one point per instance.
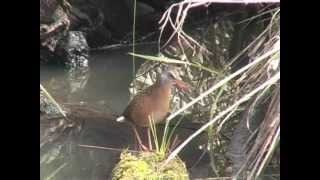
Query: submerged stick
(104, 148)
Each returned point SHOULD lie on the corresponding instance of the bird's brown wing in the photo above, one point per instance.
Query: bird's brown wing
(138, 109)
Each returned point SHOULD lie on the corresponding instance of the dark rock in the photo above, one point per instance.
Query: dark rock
(73, 50)
(73, 53)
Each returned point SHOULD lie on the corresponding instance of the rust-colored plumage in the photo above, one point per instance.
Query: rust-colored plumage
(152, 102)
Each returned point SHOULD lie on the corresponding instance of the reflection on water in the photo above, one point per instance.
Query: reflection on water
(105, 84)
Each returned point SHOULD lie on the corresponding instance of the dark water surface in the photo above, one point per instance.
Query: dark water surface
(106, 83)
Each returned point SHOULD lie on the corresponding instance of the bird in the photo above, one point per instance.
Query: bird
(154, 102)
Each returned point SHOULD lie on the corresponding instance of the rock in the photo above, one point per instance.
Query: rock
(73, 50)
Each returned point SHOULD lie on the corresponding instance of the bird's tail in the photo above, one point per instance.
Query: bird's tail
(121, 119)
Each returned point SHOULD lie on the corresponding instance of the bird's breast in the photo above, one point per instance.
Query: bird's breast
(155, 104)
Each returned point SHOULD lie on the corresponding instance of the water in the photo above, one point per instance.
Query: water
(105, 86)
(106, 83)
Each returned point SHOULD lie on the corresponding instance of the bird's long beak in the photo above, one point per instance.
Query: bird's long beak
(181, 85)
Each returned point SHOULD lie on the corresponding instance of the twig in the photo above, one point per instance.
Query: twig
(118, 46)
(255, 149)
(54, 102)
(225, 119)
(105, 148)
(250, 112)
(183, 8)
(268, 155)
(253, 17)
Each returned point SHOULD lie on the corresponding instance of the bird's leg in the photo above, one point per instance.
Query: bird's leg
(174, 143)
(135, 143)
(141, 146)
(149, 139)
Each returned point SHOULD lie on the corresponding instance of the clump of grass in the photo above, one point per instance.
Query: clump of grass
(146, 165)
(163, 148)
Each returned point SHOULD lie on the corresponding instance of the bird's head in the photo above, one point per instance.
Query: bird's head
(171, 75)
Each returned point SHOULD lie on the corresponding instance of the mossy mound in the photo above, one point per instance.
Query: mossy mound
(146, 165)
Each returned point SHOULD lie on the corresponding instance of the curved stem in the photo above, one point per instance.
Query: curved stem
(271, 81)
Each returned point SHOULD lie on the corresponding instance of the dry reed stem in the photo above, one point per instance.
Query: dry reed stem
(267, 135)
(272, 80)
(222, 82)
(183, 8)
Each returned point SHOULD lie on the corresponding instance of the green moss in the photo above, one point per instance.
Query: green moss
(146, 165)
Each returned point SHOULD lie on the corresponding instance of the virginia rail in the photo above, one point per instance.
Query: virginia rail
(153, 101)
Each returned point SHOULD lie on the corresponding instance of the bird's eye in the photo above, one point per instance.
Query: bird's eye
(171, 76)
